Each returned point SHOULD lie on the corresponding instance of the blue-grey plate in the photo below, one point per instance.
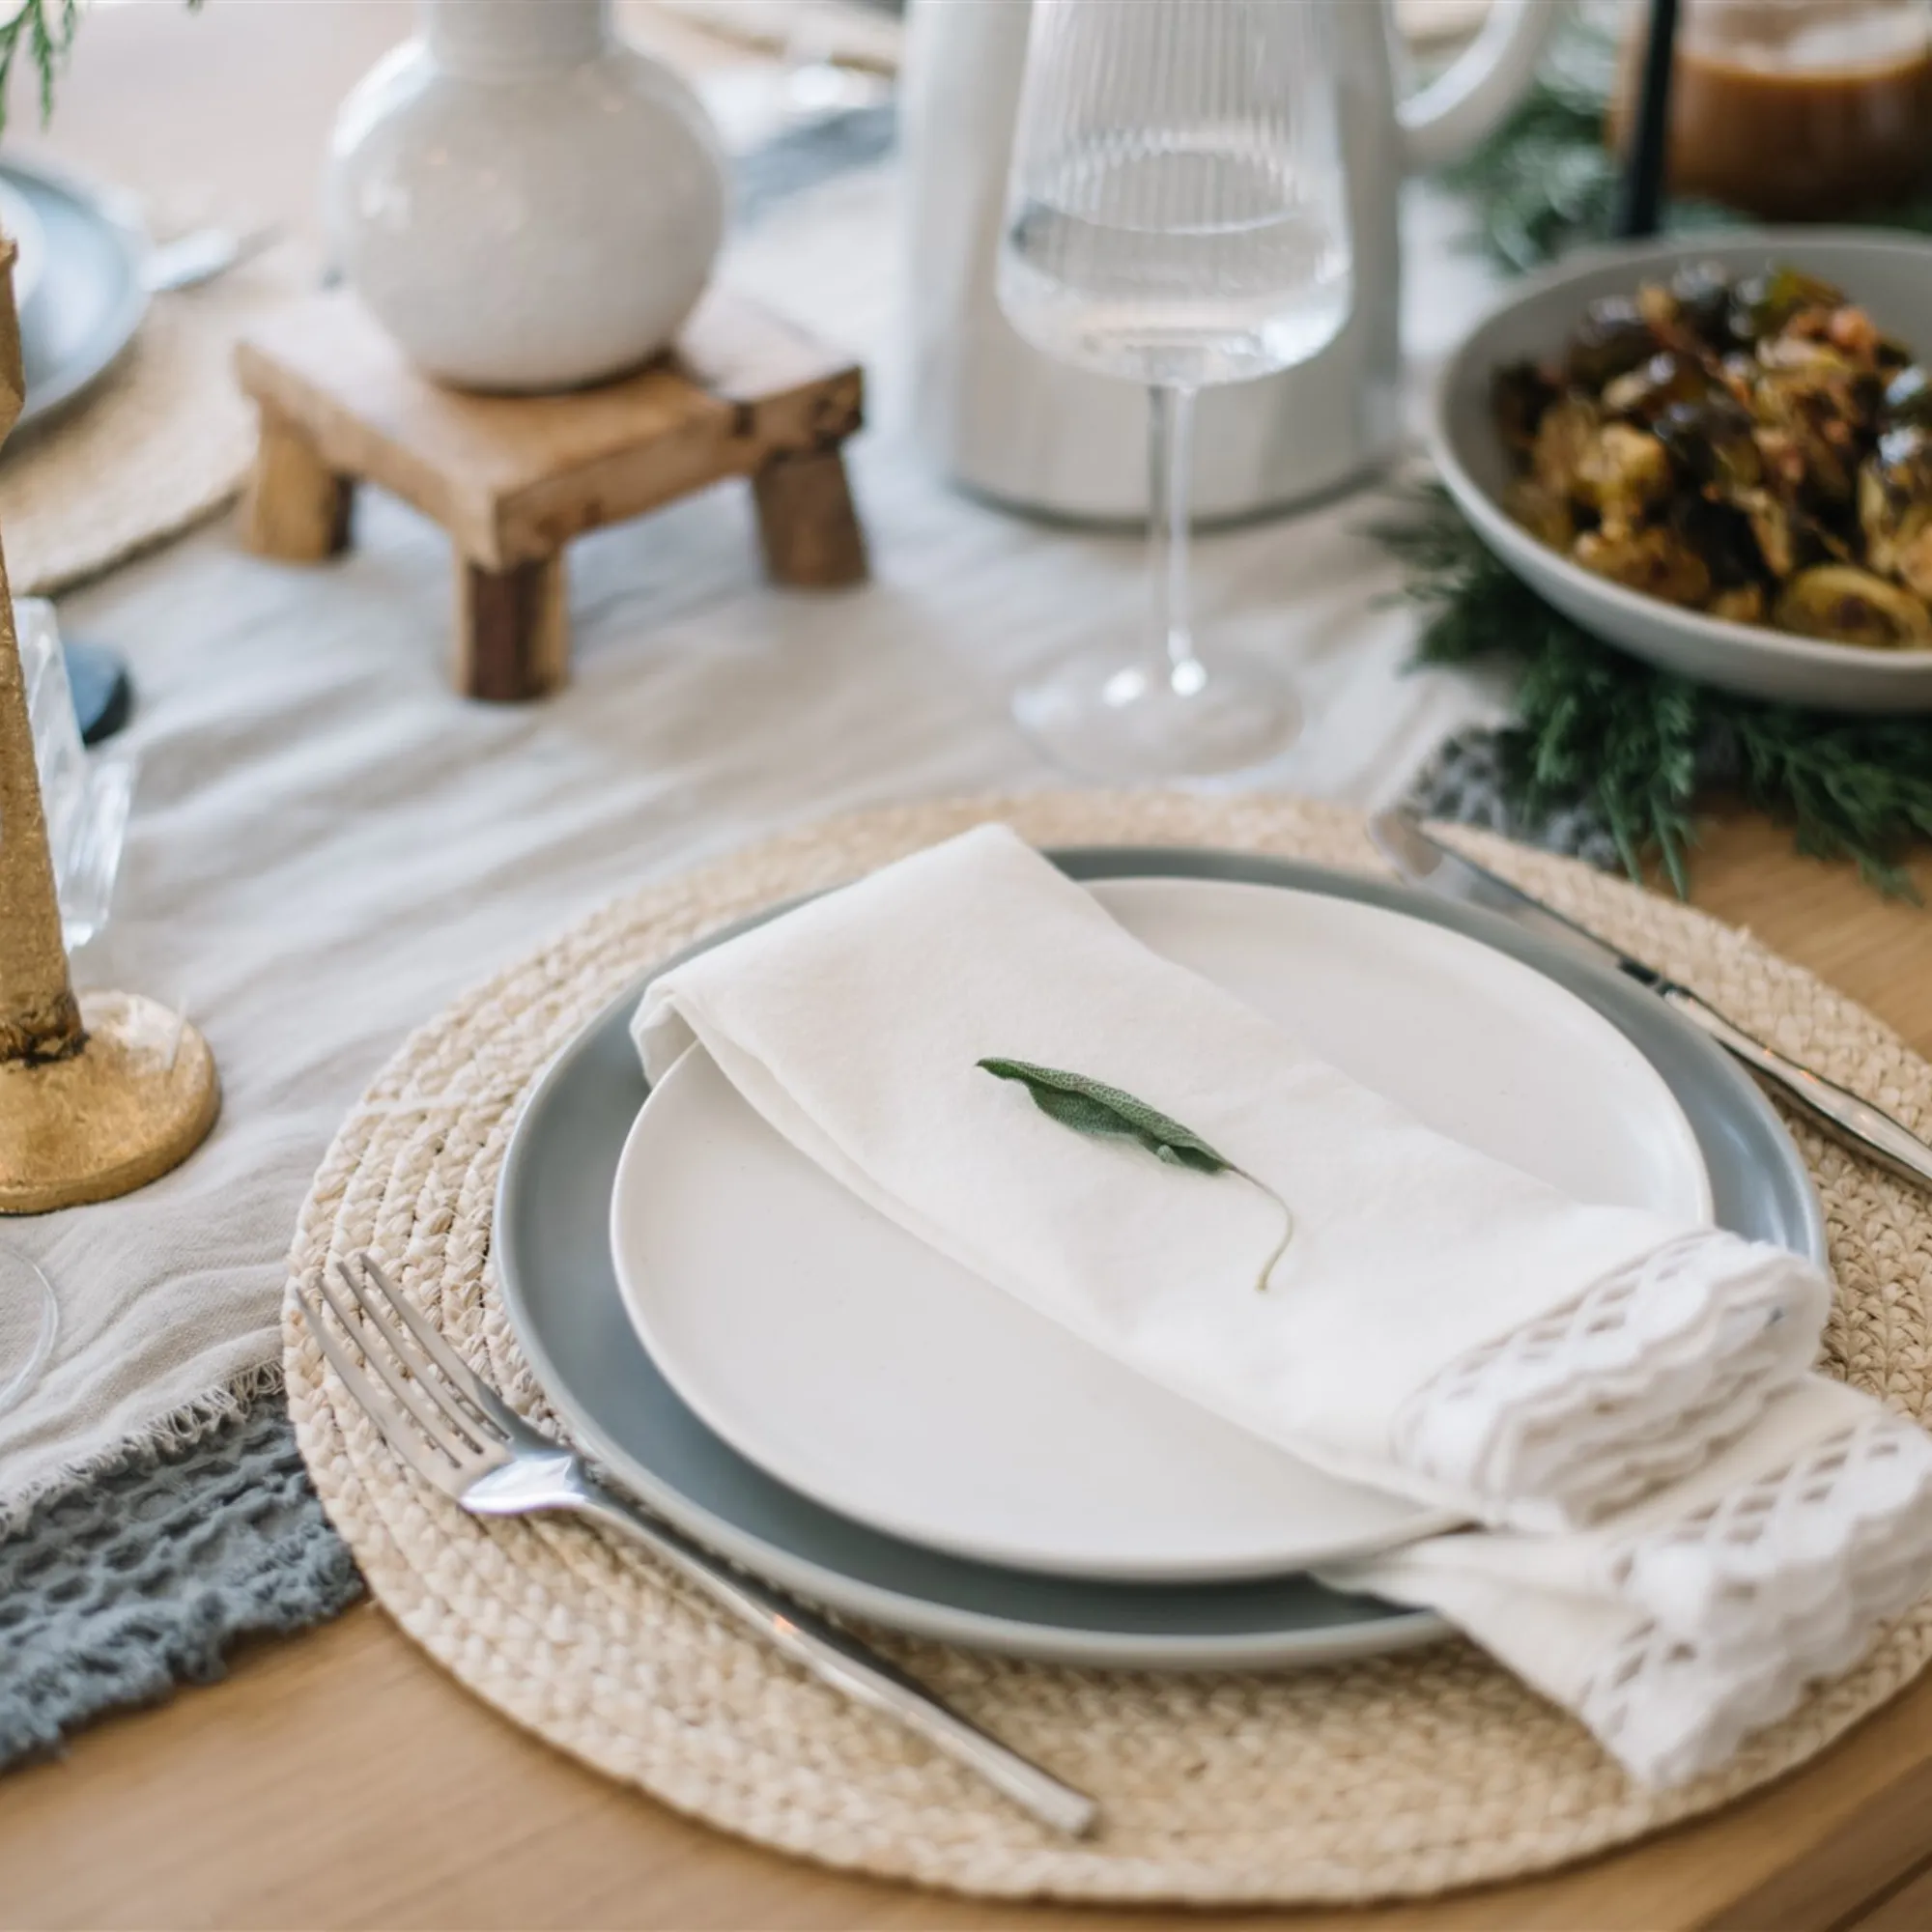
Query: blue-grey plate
(553, 1262)
(89, 297)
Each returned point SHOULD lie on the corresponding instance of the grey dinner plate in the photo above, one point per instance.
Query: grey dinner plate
(89, 299)
(554, 1259)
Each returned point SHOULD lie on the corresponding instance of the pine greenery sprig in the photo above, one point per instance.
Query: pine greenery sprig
(1646, 747)
(45, 30)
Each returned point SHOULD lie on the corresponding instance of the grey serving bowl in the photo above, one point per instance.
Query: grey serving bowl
(1889, 273)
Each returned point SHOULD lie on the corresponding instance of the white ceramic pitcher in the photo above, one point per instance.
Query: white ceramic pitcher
(1006, 421)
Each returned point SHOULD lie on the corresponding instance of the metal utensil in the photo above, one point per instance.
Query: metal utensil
(1868, 1130)
(458, 1433)
(203, 254)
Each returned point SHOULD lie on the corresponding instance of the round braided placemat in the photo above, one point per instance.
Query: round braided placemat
(164, 443)
(1403, 1774)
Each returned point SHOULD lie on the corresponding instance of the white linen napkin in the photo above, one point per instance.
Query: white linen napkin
(1440, 1324)
(1680, 1626)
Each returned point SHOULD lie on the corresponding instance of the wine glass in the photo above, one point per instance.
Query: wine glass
(1175, 215)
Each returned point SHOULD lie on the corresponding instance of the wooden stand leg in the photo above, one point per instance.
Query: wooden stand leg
(806, 524)
(512, 630)
(297, 508)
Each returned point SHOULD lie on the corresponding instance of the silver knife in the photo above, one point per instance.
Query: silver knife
(1868, 1130)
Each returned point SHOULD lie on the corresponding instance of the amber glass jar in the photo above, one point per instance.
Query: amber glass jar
(1795, 109)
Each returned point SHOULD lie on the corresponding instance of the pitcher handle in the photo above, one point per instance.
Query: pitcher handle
(1444, 120)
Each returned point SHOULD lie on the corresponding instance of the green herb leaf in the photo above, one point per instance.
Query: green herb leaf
(1090, 1107)
(1107, 1113)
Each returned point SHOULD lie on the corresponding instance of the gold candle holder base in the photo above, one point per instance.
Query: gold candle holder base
(137, 1099)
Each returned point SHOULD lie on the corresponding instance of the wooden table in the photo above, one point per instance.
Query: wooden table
(341, 1779)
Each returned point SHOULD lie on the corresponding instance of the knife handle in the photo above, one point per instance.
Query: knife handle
(1866, 1129)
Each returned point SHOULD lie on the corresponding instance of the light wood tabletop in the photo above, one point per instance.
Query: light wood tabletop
(340, 1779)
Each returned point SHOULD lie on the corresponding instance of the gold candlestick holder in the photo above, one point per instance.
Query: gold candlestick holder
(101, 1096)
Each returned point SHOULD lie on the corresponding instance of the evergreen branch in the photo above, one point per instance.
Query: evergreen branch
(1645, 746)
(46, 29)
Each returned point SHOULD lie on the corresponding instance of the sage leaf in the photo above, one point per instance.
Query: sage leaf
(1090, 1107)
(1109, 1113)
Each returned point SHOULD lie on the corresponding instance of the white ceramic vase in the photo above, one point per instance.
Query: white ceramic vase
(523, 201)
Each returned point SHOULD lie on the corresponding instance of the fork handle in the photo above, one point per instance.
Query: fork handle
(846, 1665)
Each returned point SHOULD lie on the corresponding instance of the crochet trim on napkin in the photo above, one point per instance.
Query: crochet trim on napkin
(1785, 1582)
(1629, 1387)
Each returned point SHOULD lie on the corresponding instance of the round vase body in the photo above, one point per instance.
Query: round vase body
(522, 201)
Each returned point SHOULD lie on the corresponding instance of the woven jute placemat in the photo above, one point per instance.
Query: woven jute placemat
(164, 441)
(1403, 1775)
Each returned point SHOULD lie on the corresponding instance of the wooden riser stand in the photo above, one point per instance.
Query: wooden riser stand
(514, 478)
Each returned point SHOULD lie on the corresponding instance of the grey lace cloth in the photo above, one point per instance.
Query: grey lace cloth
(115, 1590)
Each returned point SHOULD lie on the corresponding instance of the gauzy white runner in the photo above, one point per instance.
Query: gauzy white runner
(1439, 1325)
(1678, 1627)
(327, 845)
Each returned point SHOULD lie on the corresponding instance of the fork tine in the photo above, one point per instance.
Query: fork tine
(433, 1415)
(475, 1390)
(412, 1448)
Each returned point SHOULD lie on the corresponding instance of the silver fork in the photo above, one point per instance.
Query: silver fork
(456, 1432)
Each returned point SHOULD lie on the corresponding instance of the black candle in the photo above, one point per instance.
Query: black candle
(1640, 193)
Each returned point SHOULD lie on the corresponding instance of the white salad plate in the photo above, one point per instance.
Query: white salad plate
(854, 1363)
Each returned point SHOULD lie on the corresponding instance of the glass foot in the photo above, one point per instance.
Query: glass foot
(1126, 722)
(29, 1321)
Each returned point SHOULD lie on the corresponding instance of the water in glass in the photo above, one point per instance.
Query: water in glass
(1262, 289)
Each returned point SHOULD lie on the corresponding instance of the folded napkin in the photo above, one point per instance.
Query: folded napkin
(1680, 1626)
(1439, 1325)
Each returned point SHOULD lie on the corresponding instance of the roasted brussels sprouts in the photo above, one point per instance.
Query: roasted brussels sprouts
(1758, 450)
(1547, 516)
(1843, 605)
(1701, 291)
(1623, 474)
(1711, 441)
(1821, 409)
(1908, 398)
(1740, 603)
(1761, 306)
(1895, 507)
(1646, 392)
(1720, 533)
(1776, 529)
(1563, 438)
(1612, 337)
(1519, 395)
(1656, 562)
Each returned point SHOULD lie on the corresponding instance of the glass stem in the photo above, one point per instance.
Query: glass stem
(1169, 521)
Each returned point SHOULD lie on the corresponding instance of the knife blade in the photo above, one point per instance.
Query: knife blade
(1869, 1131)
